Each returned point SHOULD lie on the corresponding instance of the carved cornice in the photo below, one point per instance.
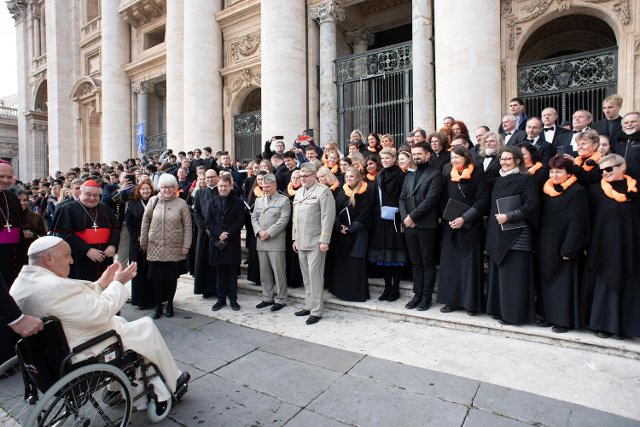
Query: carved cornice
(17, 9)
(246, 79)
(245, 46)
(373, 6)
(329, 11)
(143, 87)
(532, 9)
(139, 12)
(38, 126)
(360, 35)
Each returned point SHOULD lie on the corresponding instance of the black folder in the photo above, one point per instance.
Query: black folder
(508, 204)
(455, 209)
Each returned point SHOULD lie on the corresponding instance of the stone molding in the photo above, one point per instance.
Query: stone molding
(17, 9)
(246, 79)
(373, 6)
(38, 127)
(143, 87)
(243, 47)
(360, 35)
(139, 12)
(330, 11)
(528, 10)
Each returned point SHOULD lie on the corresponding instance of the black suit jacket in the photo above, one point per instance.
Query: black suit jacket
(557, 135)
(545, 149)
(613, 131)
(218, 220)
(420, 199)
(492, 172)
(516, 136)
(211, 163)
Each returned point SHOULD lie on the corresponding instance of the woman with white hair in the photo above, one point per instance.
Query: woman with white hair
(166, 238)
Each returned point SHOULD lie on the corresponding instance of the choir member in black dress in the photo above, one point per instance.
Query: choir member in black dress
(386, 243)
(533, 163)
(586, 162)
(204, 282)
(405, 161)
(440, 145)
(350, 235)
(373, 144)
(372, 166)
(91, 229)
(490, 145)
(294, 275)
(614, 255)
(560, 248)
(510, 288)
(344, 163)
(141, 286)
(253, 267)
(462, 262)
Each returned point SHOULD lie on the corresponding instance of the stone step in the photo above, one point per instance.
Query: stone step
(460, 320)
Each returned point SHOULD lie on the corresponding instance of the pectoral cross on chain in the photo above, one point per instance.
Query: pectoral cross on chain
(95, 227)
(7, 226)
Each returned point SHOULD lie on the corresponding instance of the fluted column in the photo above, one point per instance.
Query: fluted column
(360, 39)
(423, 72)
(117, 138)
(328, 14)
(175, 76)
(284, 105)
(471, 93)
(203, 117)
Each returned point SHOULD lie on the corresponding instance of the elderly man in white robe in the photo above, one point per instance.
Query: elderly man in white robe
(88, 309)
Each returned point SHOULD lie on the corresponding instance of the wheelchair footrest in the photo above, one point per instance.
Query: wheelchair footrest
(181, 391)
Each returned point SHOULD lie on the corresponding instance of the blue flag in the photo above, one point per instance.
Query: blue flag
(140, 139)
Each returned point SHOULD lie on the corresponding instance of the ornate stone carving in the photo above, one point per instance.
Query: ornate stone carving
(139, 12)
(38, 127)
(330, 11)
(360, 35)
(246, 79)
(636, 46)
(620, 7)
(17, 9)
(143, 87)
(564, 5)
(245, 46)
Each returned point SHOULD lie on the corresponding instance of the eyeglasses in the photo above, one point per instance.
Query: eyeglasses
(307, 175)
(609, 169)
(506, 159)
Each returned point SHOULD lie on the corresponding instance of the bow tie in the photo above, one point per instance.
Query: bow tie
(507, 133)
(492, 156)
(548, 129)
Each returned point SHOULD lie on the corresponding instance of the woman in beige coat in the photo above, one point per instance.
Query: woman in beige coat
(166, 238)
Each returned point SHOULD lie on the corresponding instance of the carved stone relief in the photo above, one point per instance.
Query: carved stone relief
(242, 47)
(246, 79)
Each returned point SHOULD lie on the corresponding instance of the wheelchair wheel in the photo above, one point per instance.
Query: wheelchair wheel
(152, 411)
(86, 396)
(11, 363)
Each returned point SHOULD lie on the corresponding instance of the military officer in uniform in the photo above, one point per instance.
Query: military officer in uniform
(269, 219)
(314, 212)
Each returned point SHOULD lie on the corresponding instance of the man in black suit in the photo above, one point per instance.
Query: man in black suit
(628, 144)
(516, 109)
(611, 125)
(508, 130)
(419, 201)
(552, 132)
(197, 159)
(581, 121)
(535, 137)
(487, 158)
(209, 159)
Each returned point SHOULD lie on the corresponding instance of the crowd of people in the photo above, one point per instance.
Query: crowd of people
(552, 213)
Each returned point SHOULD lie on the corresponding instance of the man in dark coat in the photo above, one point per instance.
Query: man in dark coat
(611, 125)
(516, 109)
(628, 145)
(91, 229)
(535, 137)
(205, 280)
(508, 130)
(419, 201)
(224, 218)
(552, 132)
(209, 160)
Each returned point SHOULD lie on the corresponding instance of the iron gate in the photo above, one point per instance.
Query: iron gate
(375, 92)
(247, 131)
(569, 83)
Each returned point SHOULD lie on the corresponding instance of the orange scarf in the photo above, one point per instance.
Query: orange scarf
(372, 149)
(334, 170)
(292, 191)
(404, 169)
(465, 173)
(372, 177)
(586, 164)
(535, 168)
(258, 192)
(334, 186)
(550, 188)
(349, 192)
(613, 194)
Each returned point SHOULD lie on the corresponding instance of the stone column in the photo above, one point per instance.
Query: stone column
(203, 116)
(360, 39)
(467, 46)
(117, 138)
(423, 74)
(37, 46)
(142, 91)
(175, 86)
(284, 105)
(313, 62)
(328, 14)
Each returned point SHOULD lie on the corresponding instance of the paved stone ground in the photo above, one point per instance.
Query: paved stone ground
(246, 377)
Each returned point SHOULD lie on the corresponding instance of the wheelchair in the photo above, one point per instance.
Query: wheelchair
(100, 390)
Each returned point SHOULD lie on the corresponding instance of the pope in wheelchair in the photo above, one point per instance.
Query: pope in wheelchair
(87, 312)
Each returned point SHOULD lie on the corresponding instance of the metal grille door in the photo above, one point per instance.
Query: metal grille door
(375, 92)
(569, 83)
(247, 132)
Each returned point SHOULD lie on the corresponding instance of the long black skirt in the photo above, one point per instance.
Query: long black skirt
(562, 301)
(510, 288)
(294, 275)
(615, 312)
(350, 279)
(205, 278)
(461, 281)
(161, 271)
(253, 268)
(141, 286)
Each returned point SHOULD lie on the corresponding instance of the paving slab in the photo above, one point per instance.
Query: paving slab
(477, 418)
(423, 381)
(311, 419)
(581, 416)
(360, 401)
(314, 354)
(213, 400)
(288, 380)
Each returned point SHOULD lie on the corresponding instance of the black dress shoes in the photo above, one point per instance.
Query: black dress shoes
(277, 307)
(234, 305)
(449, 308)
(603, 334)
(157, 314)
(313, 320)
(559, 329)
(264, 304)
(218, 305)
(543, 323)
(302, 313)
(413, 303)
(425, 304)
(169, 310)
